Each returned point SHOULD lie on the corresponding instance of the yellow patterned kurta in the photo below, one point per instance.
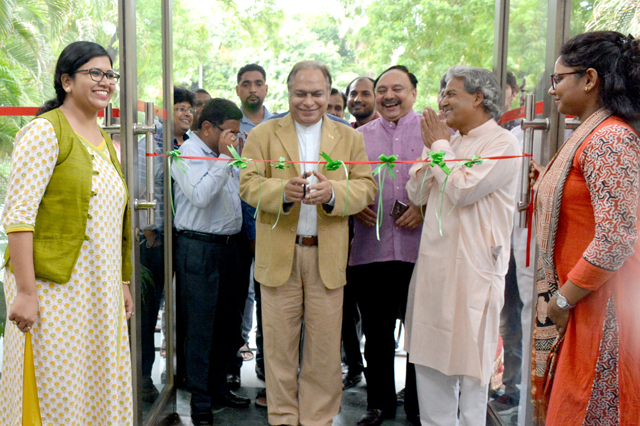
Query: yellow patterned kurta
(80, 340)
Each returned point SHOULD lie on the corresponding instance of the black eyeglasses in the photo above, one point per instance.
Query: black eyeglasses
(238, 135)
(97, 75)
(555, 78)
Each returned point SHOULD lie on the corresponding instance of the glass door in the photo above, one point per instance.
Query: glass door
(146, 128)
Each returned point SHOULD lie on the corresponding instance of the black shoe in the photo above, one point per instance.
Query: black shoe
(350, 381)
(233, 382)
(202, 419)
(372, 418)
(232, 400)
(414, 420)
(400, 397)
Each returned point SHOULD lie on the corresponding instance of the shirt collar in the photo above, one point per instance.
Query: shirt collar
(195, 140)
(390, 125)
(355, 125)
(314, 128)
(267, 115)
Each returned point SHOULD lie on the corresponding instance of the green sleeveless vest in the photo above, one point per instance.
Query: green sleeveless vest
(63, 212)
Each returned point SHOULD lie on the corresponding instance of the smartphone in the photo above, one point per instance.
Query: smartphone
(398, 209)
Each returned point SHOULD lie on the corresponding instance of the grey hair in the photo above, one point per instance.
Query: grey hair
(483, 81)
(310, 65)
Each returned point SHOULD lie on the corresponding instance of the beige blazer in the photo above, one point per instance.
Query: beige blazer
(275, 245)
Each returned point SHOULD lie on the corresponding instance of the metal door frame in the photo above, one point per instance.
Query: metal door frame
(163, 410)
(558, 31)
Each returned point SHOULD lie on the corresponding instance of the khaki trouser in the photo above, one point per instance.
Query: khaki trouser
(312, 398)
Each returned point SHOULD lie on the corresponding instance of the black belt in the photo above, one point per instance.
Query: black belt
(208, 238)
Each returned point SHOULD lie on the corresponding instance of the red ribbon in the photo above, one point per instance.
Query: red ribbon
(517, 113)
(506, 157)
(31, 111)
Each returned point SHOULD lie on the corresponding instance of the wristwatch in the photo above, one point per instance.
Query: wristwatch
(562, 302)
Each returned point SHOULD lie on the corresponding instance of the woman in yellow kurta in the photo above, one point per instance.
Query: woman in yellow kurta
(66, 354)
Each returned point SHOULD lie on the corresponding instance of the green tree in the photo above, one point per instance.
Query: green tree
(26, 26)
(427, 36)
(297, 41)
(616, 15)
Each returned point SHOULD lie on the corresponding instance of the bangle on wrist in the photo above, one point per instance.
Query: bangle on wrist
(126, 282)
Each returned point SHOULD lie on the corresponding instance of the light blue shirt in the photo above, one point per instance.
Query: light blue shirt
(158, 165)
(207, 196)
(247, 125)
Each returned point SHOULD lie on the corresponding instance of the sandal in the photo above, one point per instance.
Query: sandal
(246, 353)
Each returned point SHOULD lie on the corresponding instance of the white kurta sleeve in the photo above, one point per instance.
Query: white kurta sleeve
(33, 160)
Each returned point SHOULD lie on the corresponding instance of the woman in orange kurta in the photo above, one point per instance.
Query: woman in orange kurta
(586, 218)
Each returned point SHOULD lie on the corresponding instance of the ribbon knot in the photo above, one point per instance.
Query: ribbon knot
(331, 164)
(387, 164)
(474, 160)
(239, 162)
(280, 165)
(437, 159)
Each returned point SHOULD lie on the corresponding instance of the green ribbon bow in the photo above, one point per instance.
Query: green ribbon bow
(239, 162)
(333, 165)
(388, 165)
(437, 159)
(281, 164)
(174, 157)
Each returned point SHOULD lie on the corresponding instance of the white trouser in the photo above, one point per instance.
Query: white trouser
(440, 396)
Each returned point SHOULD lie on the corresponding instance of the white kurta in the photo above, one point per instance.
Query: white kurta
(80, 338)
(457, 289)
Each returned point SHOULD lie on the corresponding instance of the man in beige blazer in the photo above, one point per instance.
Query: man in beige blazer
(301, 245)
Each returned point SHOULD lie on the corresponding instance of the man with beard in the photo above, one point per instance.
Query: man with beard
(361, 101)
(252, 89)
(380, 268)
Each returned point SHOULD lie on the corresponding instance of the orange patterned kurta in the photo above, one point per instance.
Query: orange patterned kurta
(80, 340)
(597, 380)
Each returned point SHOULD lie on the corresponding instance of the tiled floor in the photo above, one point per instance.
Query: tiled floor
(354, 403)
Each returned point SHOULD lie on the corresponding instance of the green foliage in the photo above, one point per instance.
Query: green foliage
(617, 15)
(220, 73)
(427, 36)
